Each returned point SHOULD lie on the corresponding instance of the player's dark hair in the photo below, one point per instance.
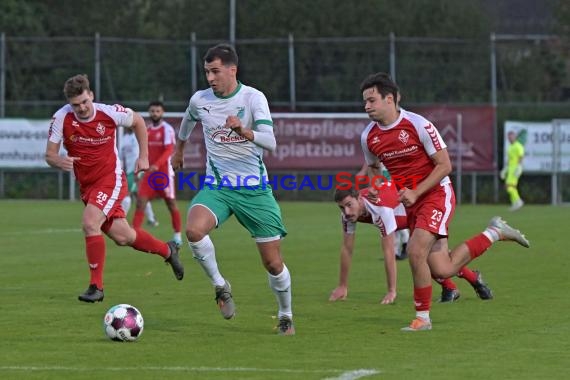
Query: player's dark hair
(75, 86)
(383, 84)
(224, 52)
(156, 103)
(339, 194)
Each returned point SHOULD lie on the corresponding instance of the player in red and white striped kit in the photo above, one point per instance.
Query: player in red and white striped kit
(158, 181)
(389, 216)
(88, 132)
(411, 149)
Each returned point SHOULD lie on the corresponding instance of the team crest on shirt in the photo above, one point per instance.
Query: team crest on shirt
(403, 137)
(240, 112)
(375, 140)
(74, 123)
(100, 129)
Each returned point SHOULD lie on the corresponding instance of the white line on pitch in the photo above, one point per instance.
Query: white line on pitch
(44, 231)
(174, 369)
(353, 375)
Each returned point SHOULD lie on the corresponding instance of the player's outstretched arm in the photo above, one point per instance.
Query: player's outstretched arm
(341, 291)
(390, 267)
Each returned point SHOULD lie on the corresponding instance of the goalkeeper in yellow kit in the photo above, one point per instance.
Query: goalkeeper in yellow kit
(513, 170)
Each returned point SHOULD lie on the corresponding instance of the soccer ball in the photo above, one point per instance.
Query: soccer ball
(123, 323)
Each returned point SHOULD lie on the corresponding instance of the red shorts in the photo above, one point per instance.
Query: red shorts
(433, 212)
(157, 184)
(107, 195)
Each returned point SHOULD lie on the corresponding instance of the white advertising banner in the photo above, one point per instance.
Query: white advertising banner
(539, 149)
(23, 143)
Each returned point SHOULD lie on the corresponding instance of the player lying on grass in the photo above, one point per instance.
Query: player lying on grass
(388, 214)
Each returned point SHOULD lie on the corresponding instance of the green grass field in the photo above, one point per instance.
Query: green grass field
(524, 333)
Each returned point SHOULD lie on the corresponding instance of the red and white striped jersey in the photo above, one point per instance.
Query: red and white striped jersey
(388, 214)
(404, 147)
(93, 141)
(161, 140)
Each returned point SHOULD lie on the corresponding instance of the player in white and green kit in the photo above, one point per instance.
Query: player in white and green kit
(237, 127)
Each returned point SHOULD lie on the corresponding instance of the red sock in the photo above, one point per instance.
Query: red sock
(422, 298)
(478, 245)
(176, 222)
(467, 274)
(446, 283)
(95, 249)
(138, 219)
(145, 242)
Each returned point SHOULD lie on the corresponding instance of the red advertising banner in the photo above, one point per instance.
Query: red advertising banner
(317, 141)
(329, 141)
(476, 145)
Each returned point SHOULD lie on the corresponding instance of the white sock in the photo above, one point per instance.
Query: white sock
(203, 251)
(281, 286)
(126, 203)
(492, 234)
(177, 236)
(404, 235)
(149, 212)
(423, 315)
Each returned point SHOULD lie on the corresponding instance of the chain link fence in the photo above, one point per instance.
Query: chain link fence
(313, 74)
(522, 76)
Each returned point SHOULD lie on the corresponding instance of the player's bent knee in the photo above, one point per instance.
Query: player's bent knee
(195, 234)
(440, 273)
(274, 267)
(90, 228)
(122, 240)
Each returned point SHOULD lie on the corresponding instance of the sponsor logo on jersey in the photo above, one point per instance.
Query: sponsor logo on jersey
(89, 140)
(399, 153)
(225, 137)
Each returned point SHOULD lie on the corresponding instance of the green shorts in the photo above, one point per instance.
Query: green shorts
(255, 209)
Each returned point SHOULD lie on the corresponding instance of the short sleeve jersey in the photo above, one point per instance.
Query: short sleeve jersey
(404, 147)
(515, 153)
(387, 213)
(159, 138)
(230, 157)
(92, 141)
